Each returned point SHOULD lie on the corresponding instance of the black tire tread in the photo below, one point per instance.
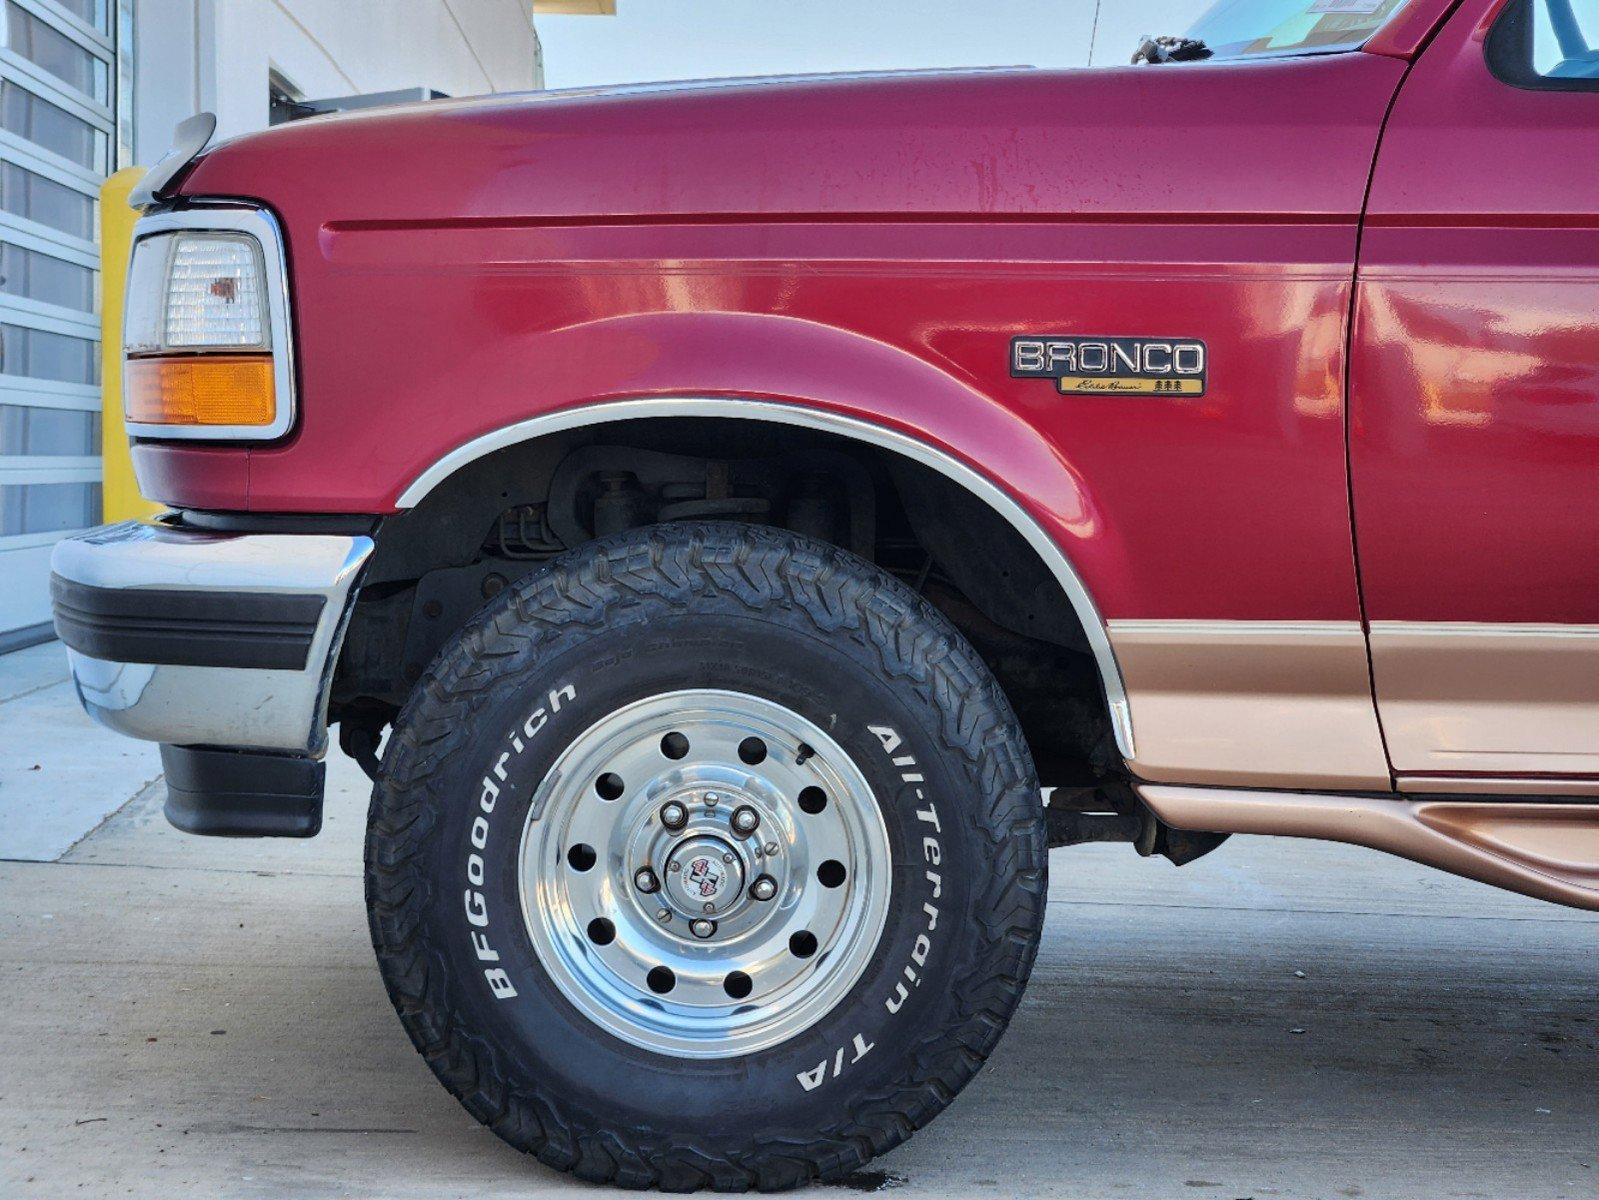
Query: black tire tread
(761, 570)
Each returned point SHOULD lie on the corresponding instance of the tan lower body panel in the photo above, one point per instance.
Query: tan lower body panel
(1283, 704)
(1548, 851)
(1497, 700)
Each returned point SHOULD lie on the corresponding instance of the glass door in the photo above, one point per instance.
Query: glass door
(58, 100)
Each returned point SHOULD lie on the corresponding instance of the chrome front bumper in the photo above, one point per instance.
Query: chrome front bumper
(194, 638)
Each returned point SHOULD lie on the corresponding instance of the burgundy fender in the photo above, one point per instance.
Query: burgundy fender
(809, 375)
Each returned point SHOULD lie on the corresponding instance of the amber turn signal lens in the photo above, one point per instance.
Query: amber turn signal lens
(203, 389)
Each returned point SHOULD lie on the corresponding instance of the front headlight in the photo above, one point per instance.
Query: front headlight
(197, 291)
(198, 335)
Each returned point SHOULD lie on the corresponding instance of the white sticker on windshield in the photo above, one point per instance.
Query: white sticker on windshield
(1362, 7)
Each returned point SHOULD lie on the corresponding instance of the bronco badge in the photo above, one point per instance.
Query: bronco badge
(1113, 366)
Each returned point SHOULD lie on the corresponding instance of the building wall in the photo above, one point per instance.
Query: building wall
(68, 117)
(215, 55)
(57, 141)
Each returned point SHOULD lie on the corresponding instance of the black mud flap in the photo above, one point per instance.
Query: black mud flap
(242, 793)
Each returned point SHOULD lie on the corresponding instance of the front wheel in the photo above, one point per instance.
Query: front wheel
(708, 857)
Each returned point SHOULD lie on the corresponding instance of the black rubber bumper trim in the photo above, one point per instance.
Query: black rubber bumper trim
(186, 628)
(242, 793)
(214, 521)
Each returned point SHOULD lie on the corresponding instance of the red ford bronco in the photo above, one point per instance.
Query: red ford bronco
(709, 512)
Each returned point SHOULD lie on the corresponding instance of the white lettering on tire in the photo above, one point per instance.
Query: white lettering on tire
(812, 1079)
(912, 971)
(932, 852)
(477, 911)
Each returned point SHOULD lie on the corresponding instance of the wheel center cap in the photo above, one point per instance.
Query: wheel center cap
(708, 875)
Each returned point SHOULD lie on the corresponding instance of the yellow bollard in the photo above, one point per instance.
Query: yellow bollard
(121, 490)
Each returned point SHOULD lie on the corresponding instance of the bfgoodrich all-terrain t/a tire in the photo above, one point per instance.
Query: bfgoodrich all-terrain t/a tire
(707, 857)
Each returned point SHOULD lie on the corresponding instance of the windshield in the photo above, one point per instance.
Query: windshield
(1238, 27)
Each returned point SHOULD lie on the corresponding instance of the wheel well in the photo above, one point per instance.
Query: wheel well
(513, 510)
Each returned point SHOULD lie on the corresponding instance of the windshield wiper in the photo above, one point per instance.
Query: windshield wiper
(1167, 48)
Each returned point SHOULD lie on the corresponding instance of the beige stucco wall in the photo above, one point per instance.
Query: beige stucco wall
(216, 54)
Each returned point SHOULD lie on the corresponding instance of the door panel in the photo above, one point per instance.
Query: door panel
(1506, 698)
(1474, 407)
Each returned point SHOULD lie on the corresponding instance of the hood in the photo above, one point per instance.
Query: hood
(1009, 142)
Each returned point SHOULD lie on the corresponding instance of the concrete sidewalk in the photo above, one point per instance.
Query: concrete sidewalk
(191, 1017)
(60, 773)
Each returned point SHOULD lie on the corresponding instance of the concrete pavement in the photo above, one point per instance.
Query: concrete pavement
(60, 773)
(193, 1017)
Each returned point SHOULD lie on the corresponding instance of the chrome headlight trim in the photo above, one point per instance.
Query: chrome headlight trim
(261, 225)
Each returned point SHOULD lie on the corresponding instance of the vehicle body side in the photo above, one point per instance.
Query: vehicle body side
(869, 248)
(736, 279)
(741, 528)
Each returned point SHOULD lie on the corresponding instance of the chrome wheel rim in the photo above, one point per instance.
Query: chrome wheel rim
(704, 873)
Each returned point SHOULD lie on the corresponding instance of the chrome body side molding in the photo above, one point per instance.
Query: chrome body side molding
(1499, 785)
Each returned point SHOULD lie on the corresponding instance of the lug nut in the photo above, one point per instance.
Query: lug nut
(673, 815)
(644, 879)
(663, 915)
(745, 819)
(702, 928)
(764, 888)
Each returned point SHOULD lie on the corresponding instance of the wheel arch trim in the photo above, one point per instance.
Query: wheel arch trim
(1060, 566)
